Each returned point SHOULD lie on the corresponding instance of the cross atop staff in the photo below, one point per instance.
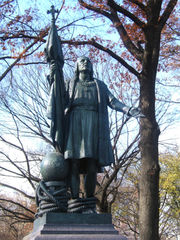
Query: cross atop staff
(52, 11)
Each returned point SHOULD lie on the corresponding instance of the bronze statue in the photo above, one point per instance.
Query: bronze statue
(79, 121)
(87, 138)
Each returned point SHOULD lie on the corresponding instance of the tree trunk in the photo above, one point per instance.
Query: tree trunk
(149, 179)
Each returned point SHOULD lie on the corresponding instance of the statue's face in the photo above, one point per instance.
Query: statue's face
(84, 64)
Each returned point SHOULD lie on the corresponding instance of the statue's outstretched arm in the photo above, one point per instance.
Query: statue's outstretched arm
(115, 104)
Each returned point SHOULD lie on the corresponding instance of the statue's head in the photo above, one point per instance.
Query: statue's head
(84, 64)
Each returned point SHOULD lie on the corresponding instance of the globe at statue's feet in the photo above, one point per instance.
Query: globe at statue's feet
(54, 167)
(51, 193)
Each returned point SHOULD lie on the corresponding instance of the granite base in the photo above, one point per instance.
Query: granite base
(67, 226)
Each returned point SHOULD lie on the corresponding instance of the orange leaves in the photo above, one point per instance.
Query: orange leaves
(122, 82)
(29, 18)
(6, 7)
(135, 8)
(19, 32)
(134, 32)
(99, 5)
(26, 18)
(17, 18)
(125, 55)
(39, 54)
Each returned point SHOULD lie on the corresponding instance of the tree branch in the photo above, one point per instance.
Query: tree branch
(126, 13)
(17, 60)
(94, 9)
(153, 11)
(167, 12)
(31, 63)
(20, 216)
(5, 3)
(107, 50)
(136, 52)
(20, 35)
(18, 190)
(122, 160)
(18, 204)
(29, 177)
(130, 46)
(15, 173)
(139, 4)
(18, 116)
(22, 171)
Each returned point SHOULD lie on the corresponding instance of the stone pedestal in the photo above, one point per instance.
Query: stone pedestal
(67, 226)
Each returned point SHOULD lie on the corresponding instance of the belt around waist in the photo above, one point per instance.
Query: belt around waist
(88, 108)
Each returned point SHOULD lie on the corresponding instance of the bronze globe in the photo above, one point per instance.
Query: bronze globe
(54, 167)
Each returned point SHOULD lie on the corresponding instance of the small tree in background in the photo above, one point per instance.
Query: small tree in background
(125, 208)
(16, 218)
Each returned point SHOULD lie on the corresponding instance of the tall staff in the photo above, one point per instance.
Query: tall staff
(55, 109)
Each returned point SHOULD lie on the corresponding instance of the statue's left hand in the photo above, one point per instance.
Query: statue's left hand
(135, 112)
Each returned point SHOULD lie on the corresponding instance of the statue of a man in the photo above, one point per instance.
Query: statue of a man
(87, 136)
(79, 121)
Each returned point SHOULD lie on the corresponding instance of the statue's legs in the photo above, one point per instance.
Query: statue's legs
(90, 178)
(75, 179)
(87, 204)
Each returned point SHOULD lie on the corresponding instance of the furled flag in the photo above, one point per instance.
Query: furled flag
(55, 109)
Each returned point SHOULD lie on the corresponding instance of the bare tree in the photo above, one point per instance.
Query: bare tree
(16, 217)
(23, 124)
